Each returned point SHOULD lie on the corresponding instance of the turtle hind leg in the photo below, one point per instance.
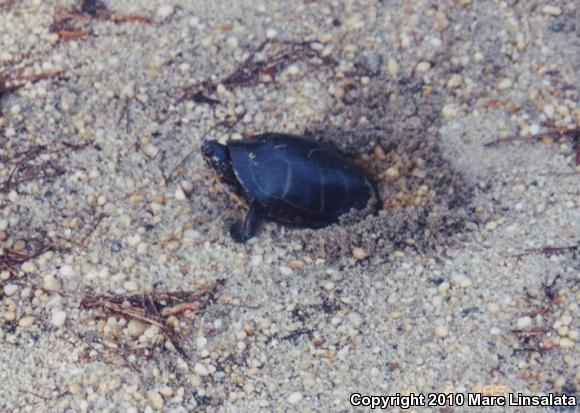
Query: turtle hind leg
(245, 230)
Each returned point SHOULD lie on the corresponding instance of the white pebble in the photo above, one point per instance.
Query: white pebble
(566, 343)
(27, 267)
(10, 289)
(422, 67)
(58, 318)
(293, 70)
(462, 281)
(549, 111)
(566, 320)
(329, 286)
(180, 195)
(200, 342)
(191, 234)
(131, 286)
(295, 397)
(271, 33)
(155, 399)
(66, 271)
(193, 21)
(551, 10)
(256, 260)
(524, 322)
(441, 331)
(359, 254)
(342, 353)
(5, 56)
(504, 84)
(286, 271)
(135, 328)
(392, 67)
(491, 225)
(133, 240)
(51, 283)
(201, 370)
(165, 11)
(26, 321)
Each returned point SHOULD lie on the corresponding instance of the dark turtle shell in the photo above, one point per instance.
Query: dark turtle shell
(299, 181)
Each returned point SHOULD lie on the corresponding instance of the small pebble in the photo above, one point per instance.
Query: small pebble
(295, 398)
(566, 343)
(441, 331)
(27, 267)
(329, 286)
(131, 286)
(551, 10)
(10, 289)
(549, 111)
(293, 70)
(155, 399)
(392, 67)
(58, 318)
(26, 321)
(51, 283)
(454, 81)
(201, 370)
(524, 322)
(166, 391)
(504, 84)
(200, 342)
(135, 328)
(74, 388)
(286, 271)
(422, 67)
(296, 265)
(392, 173)
(180, 195)
(133, 240)
(165, 11)
(66, 271)
(462, 281)
(271, 33)
(359, 254)
(491, 225)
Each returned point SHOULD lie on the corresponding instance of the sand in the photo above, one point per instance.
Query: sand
(465, 281)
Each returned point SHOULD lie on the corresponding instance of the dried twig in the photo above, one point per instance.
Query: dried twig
(71, 24)
(154, 309)
(555, 134)
(11, 259)
(547, 250)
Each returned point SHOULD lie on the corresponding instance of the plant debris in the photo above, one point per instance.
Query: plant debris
(269, 59)
(73, 24)
(548, 250)
(12, 258)
(155, 308)
(554, 135)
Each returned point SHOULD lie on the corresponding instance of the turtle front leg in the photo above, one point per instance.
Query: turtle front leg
(249, 226)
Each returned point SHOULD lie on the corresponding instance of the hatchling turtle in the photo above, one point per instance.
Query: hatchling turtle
(288, 179)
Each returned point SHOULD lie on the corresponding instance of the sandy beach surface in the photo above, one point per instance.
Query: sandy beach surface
(121, 289)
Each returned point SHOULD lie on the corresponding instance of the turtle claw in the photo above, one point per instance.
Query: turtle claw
(241, 233)
(237, 234)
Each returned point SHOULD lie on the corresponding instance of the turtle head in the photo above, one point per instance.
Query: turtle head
(217, 157)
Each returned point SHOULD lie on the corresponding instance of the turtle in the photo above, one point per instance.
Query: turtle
(289, 179)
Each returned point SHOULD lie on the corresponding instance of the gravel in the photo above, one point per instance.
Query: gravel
(465, 279)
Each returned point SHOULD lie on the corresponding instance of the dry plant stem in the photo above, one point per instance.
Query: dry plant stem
(548, 250)
(555, 134)
(145, 307)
